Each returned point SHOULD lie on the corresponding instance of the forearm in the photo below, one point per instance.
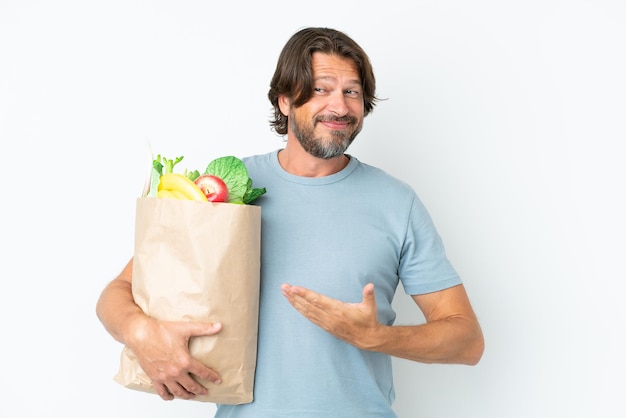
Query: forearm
(116, 307)
(451, 333)
(457, 340)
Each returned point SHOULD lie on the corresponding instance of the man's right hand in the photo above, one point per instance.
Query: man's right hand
(162, 350)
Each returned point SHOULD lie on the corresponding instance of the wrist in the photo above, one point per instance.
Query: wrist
(135, 330)
(375, 338)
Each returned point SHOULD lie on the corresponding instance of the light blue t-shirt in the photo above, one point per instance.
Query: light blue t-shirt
(334, 235)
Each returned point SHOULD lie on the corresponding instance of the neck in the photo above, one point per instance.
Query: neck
(297, 161)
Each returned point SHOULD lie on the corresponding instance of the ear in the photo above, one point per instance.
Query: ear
(284, 104)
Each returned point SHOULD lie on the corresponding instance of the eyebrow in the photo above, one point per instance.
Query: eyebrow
(355, 81)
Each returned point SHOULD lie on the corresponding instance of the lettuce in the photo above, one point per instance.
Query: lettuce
(235, 174)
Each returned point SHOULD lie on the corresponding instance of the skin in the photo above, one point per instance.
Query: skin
(318, 134)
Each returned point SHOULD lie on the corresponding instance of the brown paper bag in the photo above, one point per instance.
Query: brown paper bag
(200, 261)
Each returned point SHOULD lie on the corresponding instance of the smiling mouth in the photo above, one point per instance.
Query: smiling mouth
(336, 126)
(336, 123)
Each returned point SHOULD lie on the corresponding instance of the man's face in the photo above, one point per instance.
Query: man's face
(327, 124)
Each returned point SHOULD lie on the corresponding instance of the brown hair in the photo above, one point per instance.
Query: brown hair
(293, 76)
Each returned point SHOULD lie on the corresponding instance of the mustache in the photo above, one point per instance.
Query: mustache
(328, 118)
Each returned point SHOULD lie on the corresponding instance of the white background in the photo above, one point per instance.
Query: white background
(506, 117)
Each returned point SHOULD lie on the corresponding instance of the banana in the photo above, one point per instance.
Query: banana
(181, 187)
(166, 194)
(177, 194)
(171, 194)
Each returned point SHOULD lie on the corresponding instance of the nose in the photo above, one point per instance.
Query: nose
(337, 104)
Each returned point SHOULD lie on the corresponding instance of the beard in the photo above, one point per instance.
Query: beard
(328, 147)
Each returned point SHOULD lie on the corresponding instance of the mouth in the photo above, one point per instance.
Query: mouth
(336, 124)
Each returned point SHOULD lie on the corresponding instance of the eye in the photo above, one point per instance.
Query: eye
(353, 93)
(319, 89)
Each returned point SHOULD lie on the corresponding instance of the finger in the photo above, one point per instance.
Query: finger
(197, 368)
(369, 296)
(304, 296)
(308, 303)
(163, 392)
(186, 387)
(190, 387)
(196, 329)
(288, 290)
(291, 293)
(179, 391)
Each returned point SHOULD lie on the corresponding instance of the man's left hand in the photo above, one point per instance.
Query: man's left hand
(355, 323)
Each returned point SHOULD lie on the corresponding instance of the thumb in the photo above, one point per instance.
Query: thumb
(369, 297)
(195, 329)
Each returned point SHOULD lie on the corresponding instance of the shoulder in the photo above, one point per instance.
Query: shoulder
(258, 162)
(251, 160)
(380, 179)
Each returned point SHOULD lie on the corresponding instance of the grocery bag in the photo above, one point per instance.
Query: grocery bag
(200, 261)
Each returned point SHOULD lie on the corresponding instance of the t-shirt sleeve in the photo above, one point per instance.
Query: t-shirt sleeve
(424, 265)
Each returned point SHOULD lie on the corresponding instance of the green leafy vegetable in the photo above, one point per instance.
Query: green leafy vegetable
(235, 174)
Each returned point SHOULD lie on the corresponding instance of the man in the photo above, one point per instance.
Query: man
(337, 237)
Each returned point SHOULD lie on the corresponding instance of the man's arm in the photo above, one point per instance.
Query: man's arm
(451, 333)
(161, 347)
(116, 307)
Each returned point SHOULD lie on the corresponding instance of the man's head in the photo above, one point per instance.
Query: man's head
(294, 78)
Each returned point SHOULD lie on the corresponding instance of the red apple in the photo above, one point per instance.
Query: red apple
(213, 187)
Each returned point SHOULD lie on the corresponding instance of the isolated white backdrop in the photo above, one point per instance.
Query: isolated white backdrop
(506, 117)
